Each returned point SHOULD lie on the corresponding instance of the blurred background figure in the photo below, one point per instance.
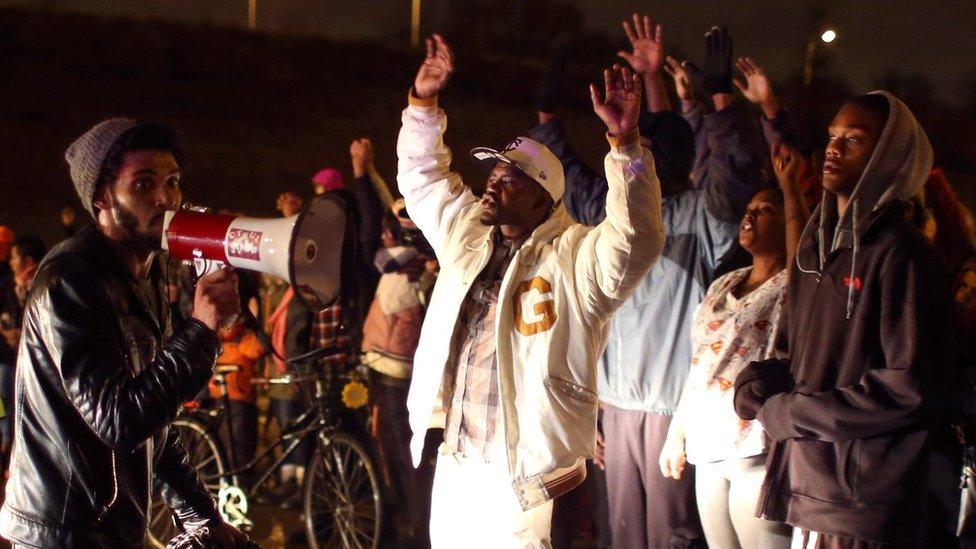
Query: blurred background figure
(10, 311)
(390, 337)
(327, 179)
(289, 325)
(239, 347)
(68, 221)
(735, 324)
(26, 254)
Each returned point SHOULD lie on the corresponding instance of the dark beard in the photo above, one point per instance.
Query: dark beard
(127, 220)
(491, 221)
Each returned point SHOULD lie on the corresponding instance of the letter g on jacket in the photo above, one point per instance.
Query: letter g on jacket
(536, 292)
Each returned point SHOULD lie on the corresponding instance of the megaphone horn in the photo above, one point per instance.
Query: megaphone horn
(304, 249)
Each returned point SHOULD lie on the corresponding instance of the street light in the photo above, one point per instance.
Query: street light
(415, 23)
(252, 14)
(826, 37)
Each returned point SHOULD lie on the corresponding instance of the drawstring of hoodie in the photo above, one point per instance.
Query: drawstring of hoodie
(851, 281)
(818, 270)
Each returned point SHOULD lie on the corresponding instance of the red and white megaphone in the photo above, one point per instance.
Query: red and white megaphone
(304, 249)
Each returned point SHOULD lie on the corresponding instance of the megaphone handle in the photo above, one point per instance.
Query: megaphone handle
(203, 267)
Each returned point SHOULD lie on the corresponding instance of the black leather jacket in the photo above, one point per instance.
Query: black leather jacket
(99, 380)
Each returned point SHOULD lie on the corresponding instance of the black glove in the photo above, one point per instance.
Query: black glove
(550, 87)
(716, 73)
(757, 382)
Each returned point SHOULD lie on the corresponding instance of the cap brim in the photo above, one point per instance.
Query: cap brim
(487, 158)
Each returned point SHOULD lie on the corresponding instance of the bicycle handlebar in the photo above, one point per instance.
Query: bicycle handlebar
(286, 379)
(316, 354)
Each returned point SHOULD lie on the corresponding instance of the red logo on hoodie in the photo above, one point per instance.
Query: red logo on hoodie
(857, 283)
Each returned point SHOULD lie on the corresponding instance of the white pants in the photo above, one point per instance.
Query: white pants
(727, 493)
(474, 505)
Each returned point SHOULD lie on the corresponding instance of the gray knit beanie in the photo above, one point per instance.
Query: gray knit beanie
(86, 156)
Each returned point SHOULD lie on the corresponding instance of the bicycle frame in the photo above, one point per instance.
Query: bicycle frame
(316, 419)
(294, 432)
(324, 420)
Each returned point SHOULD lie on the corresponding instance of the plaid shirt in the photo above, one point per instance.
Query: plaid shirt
(327, 330)
(471, 378)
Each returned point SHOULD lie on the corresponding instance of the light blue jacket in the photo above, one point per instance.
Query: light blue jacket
(649, 347)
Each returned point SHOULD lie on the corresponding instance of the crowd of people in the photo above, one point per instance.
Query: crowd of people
(714, 340)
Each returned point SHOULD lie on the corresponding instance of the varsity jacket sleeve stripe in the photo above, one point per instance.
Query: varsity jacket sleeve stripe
(615, 255)
(435, 196)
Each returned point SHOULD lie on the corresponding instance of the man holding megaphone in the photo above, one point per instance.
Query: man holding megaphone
(519, 312)
(101, 373)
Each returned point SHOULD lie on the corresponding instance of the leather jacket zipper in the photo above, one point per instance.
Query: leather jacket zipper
(115, 491)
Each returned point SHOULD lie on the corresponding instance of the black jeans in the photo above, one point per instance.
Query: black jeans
(244, 428)
(408, 490)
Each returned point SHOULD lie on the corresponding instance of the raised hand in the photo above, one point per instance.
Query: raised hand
(717, 69)
(790, 167)
(682, 79)
(362, 155)
(436, 70)
(787, 165)
(648, 43)
(757, 88)
(621, 104)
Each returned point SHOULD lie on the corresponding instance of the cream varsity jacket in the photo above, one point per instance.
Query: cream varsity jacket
(554, 304)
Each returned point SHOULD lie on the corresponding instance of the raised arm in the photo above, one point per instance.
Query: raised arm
(435, 196)
(585, 188)
(371, 199)
(788, 164)
(777, 125)
(614, 256)
(363, 158)
(693, 112)
(647, 59)
(733, 172)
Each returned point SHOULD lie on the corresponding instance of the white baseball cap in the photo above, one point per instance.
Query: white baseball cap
(531, 158)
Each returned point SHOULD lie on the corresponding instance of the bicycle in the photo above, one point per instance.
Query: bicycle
(341, 498)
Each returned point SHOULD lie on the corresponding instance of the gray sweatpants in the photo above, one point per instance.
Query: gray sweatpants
(647, 510)
(727, 492)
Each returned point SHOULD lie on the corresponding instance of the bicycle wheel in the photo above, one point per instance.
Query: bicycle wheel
(204, 452)
(342, 496)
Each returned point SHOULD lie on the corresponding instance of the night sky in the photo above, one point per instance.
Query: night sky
(936, 38)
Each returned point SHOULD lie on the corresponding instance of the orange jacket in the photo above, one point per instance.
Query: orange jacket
(240, 347)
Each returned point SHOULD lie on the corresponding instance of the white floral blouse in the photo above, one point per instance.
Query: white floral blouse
(727, 334)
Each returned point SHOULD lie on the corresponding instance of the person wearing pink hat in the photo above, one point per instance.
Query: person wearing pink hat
(327, 179)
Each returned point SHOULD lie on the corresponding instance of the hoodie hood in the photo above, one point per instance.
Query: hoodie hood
(897, 170)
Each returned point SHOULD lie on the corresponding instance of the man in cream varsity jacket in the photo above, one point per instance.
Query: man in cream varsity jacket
(519, 313)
